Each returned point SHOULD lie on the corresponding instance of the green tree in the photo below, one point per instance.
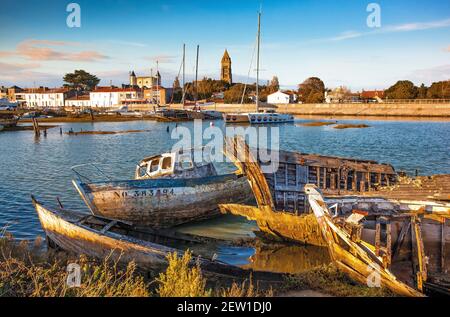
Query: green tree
(81, 80)
(234, 94)
(312, 90)
(422, 92)
(439, 90)
(403, 89)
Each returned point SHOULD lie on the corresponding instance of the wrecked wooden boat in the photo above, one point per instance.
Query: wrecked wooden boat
(282, 211)
(119, 241)
(351, 254)
(169, 190)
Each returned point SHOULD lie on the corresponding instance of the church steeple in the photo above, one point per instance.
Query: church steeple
(225, 73)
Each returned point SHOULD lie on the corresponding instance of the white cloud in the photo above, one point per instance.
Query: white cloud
(407, 27)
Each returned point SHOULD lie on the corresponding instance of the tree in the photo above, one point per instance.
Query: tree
(422, 92)
(176, 84)
(234, 94)
(312, 90)
(81, 80)
(403, 89)
(274, 85)
(439, 90)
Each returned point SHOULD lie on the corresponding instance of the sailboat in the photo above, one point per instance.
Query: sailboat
(261, 115)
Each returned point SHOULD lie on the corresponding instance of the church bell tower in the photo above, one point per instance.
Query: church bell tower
(226, 74)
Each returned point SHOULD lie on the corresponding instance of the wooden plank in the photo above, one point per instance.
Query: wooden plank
(418, 256)
(403, 232)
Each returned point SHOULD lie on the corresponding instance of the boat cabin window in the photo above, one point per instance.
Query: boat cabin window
(185, 162)
(154, 165)
(166, 163)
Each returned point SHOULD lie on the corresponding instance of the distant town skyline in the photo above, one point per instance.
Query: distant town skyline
(327, 39)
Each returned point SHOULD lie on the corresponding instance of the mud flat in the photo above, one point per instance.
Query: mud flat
(317, 124)
(106, 132)
(351, 126)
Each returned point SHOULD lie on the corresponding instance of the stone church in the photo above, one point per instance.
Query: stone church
(225, 73)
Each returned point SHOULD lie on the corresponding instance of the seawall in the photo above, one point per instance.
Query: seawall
(347, 109)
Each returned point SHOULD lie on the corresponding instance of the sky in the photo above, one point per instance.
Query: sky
(329, 39)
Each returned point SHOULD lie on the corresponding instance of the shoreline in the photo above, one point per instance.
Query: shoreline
(297, 116)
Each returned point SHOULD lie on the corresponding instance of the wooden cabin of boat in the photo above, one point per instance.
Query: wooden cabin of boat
(283, 212)
(181, 164)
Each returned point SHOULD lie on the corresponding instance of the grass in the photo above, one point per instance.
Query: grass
(27, 270)
(329, 280)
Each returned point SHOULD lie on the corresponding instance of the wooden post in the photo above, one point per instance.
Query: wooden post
(443, 245)
(318, 176)
(324, 178)
(368, 184)
(37, 131)
(355, 180)
(418, 256)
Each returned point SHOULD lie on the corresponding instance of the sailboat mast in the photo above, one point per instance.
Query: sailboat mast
(196, 75)
(184, 64)
(257, 62)
(158, 98)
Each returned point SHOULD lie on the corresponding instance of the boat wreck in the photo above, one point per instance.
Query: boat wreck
(360, 260)
(169, 190)
(283, 212)
(119, 241)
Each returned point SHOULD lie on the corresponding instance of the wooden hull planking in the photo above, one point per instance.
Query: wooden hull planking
(357, 259)
(164, 203)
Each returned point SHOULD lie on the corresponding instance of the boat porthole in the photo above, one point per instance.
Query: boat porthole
(259, 119)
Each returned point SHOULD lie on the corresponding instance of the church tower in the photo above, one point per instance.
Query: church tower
(225, 74)
(133, 79)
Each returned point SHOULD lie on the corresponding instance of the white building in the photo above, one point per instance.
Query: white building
(83, 101)
(46, 98)
(280, 97)
(107, 97)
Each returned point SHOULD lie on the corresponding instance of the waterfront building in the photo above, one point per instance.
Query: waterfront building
(3, 92)
(108, 97)
(81, 101)
(281, 97)
(226, 74)
(44, 97)
(158, 95)
(372, 95)
(145, 81)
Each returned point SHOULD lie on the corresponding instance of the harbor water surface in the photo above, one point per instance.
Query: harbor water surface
(42, 167)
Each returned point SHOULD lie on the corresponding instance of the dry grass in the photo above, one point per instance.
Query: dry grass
(26, 271)
(181, 280)
(327, 279)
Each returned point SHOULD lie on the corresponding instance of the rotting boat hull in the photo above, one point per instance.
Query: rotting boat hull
(164, 203)
(281, 226)
(116, 241)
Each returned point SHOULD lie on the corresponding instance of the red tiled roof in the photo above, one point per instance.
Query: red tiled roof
(369, 94)
(82, 97)
(46, 90)
(109, 89)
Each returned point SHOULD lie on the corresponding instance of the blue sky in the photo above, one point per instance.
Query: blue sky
(303, 38)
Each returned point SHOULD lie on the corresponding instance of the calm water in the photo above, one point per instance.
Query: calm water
(42, 166)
